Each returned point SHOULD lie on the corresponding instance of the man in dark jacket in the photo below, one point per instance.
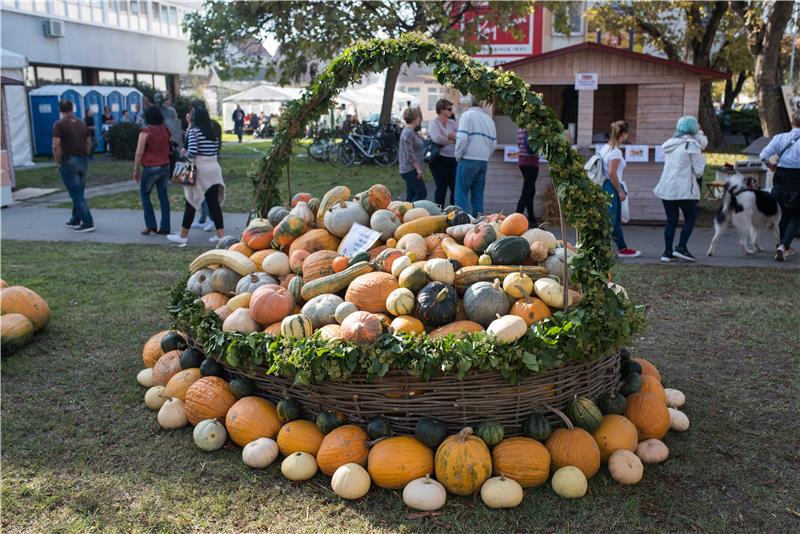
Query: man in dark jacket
(238, 122)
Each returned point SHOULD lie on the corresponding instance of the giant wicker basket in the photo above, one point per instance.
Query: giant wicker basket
(404, 399)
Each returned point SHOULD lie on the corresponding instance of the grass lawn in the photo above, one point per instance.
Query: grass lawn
(82, 453)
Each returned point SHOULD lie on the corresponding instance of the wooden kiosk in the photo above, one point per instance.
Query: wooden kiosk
(649, 92)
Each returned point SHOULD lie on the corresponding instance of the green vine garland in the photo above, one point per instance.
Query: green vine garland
(601, 323)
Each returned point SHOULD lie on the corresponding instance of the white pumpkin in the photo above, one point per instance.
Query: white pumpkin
(341, 216)
(569, 482)
(172, 414)
(330, 332)
(508, 328)
(424, 494)
(501, 492)
(385, 222)
(555, 262)
(431, 207)
(260, 453)
(414, 246)
(299, 466)
(322, 309)
(652, 451)
(209, 435)
(518, 285)
(153, 398)
(401, 301)
(552, 293)
(145, 377)
(440, 270)
(276, 264)
(350, 481)
(415, 213)
(625, 467)
(675, 398)
(240, 321)
(343, 310)
(537, 234)
(399, 264)
(678, 421)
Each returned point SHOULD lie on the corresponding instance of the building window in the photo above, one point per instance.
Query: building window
(145, 78)
(123, 13)
(434, 95)
(10, 4)
(156, 7)
(72, 9)
(39, 6)
(74, 76)
(46, 75)
(124, 78)
(111, 12)
(59, 9)
(160, 82)
(106, 77)
(30, 76)
(173, 20)
(574, 19)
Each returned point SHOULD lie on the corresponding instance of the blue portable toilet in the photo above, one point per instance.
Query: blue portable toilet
(133, 102)
(92, 99)
(44, 113)
(113, 99)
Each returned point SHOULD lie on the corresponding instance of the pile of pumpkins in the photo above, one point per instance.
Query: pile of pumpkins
(432, 271)
(24, 312)
(623, 430)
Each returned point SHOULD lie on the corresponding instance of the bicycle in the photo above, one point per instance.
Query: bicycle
(358, 147)
(323, 146)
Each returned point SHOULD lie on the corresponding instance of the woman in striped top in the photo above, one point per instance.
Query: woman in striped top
(203, 144)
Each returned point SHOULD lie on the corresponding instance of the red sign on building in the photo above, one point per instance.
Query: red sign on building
(521, 38)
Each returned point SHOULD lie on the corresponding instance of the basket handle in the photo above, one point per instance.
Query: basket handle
(563, 224)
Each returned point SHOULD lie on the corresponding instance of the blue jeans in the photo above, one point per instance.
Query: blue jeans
(615, 213)
(203, 213)
(73, 174)
(689, 209)
(470, 183)
(155, 177)
(415, 187)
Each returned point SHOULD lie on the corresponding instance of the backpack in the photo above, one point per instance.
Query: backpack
(595, 169)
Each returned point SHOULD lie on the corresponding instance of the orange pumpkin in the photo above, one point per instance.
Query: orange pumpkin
(270, 304)
(361, 328)
(166, 367)
(514, 224)
(650, 384)
(301, 197)
(258, 237)
(208, 398)
(299, 436)
(573, 446)
(274, 329)
(648, 369)
(24, 301)
(377, 197)
(457, 328)
(531, 310)
(339, 263)
(479, 237)
(615, 433)
(152, 349)
(463, 463)
(214, 300)
(285, 280)
(223, 311)
(241, 247)
(289, 229)
(433, 244)
(251, 418)
(524, 460)
(3, 284)
(258, 256)
(650, 415)
(180, 383)
(396, 461)
(314, 241)
(370, 291)
(386, 258)
(296, 260)
(318, 264)
(343, 445)
(407, 324)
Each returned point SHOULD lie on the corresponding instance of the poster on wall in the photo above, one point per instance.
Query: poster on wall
(636, 153)
(511, 153)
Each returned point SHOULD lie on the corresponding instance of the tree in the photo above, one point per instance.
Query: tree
(765, 24)
(319, 30)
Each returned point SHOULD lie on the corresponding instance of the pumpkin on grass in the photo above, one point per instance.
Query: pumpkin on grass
(19, 299)
(16, 331)
(625, 467)
(394, 462)
(208, 398)
(152, 349)
(615, 433)
(463, 463)
(251, 418)
(299, 436)
(573, 447)
(344, 445)
(648, 368)
(166, 367)
(650, 415)
(524, 460)
(501, 492)
(424, 494)
(180, 382)
(650, 384)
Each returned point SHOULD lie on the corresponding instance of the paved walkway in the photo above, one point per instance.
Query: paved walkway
(36, 221)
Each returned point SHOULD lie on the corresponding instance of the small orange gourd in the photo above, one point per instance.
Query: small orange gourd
(514, 224)
(343, 445)
(299, 435)
(152, 349)
(166, 367)
(531, 310)
(251, 418)
(573, 446)
(339, 263)
(615, 433)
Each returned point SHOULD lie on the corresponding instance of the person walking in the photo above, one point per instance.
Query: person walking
(613, 167)
(442, 131)
(204, 141)
(72, 143)
(411, 157)
(529, 167)
(476, 139)
(678, 187)
(171, 119)
(786, 183)
(152, 154)
(238, 122)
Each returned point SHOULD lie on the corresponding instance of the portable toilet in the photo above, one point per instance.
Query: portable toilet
(133, 102)
(92, 99)
(44, 113)
(113, 100)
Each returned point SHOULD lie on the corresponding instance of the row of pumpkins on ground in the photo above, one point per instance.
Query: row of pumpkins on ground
(24, 312)
(624, 435)
(286, 276)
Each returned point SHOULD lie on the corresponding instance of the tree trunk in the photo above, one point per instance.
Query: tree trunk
(732, 91)
(392, 73)
(708, 118)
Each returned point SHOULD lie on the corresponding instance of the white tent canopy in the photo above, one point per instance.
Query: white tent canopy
(17, 125)
(263, 97)
(368, 99)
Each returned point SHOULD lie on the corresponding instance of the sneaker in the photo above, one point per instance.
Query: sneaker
(214, 239)
(667, 257)
(683, 253)
(209, 226)
(628, 253)
(199, 225)
(780, 254)
(176, 238)
(84, 228)
(788, 252)
(72, 223)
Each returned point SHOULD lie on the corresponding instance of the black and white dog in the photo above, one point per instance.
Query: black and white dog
(749, 210)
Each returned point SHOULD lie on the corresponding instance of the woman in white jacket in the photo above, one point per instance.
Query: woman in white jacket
(679, 186)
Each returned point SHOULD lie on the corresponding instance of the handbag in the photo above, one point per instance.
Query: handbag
(431, 150)
(184, 173)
